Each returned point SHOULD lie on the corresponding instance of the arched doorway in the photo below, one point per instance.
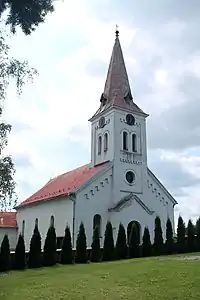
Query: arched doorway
(129, 228)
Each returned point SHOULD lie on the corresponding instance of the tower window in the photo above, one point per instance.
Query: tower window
(105, 142)
(134, 143)
(125, 140)
(99, 144)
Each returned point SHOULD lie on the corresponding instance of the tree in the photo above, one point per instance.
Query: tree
(198, 235)
(134, 243)
(108, 247)
(66, 253)
(169, 243)
(81, 246)
(50, 247)
(10, 68)
(27, 14)
(146, 243)
(5, 255)
(121, 246)
(34, 260)
(20, 254)
(181, 235)
(96, 250)
(190, 237)
(158, 237)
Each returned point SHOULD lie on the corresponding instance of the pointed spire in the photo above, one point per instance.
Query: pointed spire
(117, 91)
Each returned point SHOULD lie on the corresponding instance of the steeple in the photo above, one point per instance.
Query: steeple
(117, 91)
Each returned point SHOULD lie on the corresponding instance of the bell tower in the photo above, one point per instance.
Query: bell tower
(119, 127)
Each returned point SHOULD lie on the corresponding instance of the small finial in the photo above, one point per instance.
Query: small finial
(117, 31)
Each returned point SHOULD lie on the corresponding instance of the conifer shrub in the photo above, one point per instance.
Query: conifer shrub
(121, 249)
(169, 243)
(35, 258)
(181, 245)
(197, 230)
(20, 254)
(108, 247)
(190, 237)
(146, 243)
(5, 255)
(66, 253)
(49, 254)
(158, 245)
(96, 250)
(81, 246)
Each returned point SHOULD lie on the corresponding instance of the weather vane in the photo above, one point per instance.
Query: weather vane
(117, 30)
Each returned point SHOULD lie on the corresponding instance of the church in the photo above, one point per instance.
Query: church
(116, 185)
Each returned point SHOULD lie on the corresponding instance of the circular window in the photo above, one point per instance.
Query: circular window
(130, 177)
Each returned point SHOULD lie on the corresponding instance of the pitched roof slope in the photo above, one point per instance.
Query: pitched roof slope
(8, 220)
(117, 91)
(64, 184)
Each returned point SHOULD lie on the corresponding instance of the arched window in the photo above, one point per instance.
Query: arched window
(125, 140)
(105, 142)
(36, 222)
(134, 143)
(52, 221)
(23, 227)
(97, 223)
(99, 144)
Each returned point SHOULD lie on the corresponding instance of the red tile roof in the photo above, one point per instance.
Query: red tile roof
(64, 184)
(8, 220)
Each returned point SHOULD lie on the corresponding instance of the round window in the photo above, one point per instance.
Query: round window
(130, 177)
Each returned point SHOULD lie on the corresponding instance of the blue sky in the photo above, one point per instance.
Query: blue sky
(71, 52)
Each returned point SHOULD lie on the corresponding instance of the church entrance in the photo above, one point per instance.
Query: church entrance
(129, 228)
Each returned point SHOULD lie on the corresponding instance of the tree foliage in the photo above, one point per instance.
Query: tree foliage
(134, 244)
(181, 236)
(5, 255)
(96, 250)
(158, 237)
(197, 229)
(108, 247)
(66, 253)
(10, 69)
(20, 254)
(190, 237)
(34, 260)
(121, 245)
(49, 254)
(81, 245)
(146, 243)
(169, 244)
(27, 14)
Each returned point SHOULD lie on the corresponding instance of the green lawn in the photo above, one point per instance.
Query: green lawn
(152, 278)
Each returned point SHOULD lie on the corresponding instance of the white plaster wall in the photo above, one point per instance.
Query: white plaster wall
(60, 208)
(94, 199)
(12, 235)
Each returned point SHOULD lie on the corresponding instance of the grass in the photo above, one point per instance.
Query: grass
(152, 278)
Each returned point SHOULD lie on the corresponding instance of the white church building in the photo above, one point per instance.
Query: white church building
(115, 185)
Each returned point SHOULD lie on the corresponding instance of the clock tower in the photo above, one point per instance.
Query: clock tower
(119, 127)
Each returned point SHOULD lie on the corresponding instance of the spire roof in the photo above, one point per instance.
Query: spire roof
(117, 91)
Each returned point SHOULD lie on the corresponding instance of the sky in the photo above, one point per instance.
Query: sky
(71, 51)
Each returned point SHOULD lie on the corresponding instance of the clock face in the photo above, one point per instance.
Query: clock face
(101, 122)
(130, 120)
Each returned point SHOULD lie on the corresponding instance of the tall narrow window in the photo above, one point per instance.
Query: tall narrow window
(125, 140)
(105, 142)
(52, 221)
(134, 143)
(99, 144)
(23, 227)
(97, 223)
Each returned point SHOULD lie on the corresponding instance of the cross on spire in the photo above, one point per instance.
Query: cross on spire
(117, 31)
